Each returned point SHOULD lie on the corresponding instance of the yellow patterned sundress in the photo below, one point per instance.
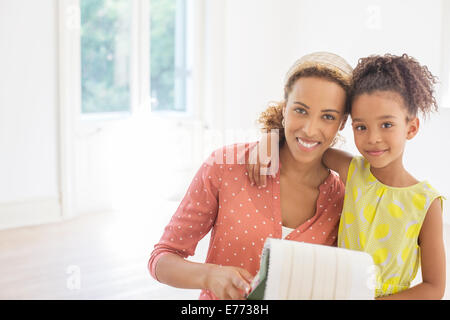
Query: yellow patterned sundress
(385, 222)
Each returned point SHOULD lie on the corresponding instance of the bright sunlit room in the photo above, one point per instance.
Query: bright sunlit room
(109, 107)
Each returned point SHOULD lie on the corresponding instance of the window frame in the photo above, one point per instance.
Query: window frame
(73, 125)
(192, 36)
(137, 63)
(140, 86)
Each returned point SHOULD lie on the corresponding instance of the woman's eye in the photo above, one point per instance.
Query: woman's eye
(386, 125)
(360, 128)
(329, 117)
(300, 110)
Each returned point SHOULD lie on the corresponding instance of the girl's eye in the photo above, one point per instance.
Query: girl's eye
(360, 127)
(329, 117)
(386, 125)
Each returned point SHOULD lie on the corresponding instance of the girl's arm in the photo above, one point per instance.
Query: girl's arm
(334, 159)
(432, 259)
(337, 160)
(260, 156)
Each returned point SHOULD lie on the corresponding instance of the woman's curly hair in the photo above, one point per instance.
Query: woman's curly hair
(400, 74)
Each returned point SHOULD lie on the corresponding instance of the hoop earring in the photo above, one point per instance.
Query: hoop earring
(283, 123)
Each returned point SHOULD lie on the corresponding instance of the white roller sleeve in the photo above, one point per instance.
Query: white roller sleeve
(300, 270)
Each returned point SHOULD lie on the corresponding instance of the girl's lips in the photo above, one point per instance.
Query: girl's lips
(376, 153)
(307, 145)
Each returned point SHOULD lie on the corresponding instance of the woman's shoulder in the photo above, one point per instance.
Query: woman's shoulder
(232, 154)
(333, 184)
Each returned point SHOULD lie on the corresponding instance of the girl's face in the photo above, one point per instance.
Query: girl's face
(381, 127)
(313, 114)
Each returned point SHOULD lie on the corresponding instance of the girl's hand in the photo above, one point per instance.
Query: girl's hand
(228, 283)
(257, 175)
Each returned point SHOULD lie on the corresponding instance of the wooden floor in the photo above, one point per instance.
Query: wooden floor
(95, 256)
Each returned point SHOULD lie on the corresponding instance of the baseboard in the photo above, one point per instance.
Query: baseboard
(29, 212)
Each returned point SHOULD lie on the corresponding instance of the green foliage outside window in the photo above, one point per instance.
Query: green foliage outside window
(162, 53)
(105, 52)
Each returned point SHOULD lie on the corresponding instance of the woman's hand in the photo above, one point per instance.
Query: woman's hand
(228, 283)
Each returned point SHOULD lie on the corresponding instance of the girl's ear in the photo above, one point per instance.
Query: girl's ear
(413, 128)
(344, 121)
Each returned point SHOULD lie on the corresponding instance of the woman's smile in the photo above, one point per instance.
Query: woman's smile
(306, 144)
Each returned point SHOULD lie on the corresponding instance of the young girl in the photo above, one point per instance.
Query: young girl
(387, 212)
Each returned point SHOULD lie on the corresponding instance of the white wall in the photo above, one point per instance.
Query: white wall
(359, 28)
(258, 53)
(263, 38)
(428, 154)
(28, 127)
(29, 123)
(27, 100)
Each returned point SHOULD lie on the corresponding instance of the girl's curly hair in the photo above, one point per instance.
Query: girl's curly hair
(400, 74)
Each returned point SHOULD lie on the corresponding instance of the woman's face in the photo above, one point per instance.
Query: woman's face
(313, 115)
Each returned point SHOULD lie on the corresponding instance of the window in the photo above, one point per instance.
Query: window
(168, 70)
(105, 55)
(110, 59)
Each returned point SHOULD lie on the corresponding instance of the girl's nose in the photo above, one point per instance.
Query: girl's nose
(374, 137)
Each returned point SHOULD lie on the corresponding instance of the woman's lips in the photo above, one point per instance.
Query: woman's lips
(375, 153)
(307, 145)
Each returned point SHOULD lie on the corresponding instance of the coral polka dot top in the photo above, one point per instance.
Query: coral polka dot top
(240, 216)
(385, 222)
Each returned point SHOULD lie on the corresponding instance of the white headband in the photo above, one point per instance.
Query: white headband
(325, 59)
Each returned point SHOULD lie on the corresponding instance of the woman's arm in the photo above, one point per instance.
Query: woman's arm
(193, 219)
(432, 259)
(224, 282)
(337, 160)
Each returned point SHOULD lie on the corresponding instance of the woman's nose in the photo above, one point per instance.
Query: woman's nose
(311, 127)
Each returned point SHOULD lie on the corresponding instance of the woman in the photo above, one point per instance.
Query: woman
(302, 202)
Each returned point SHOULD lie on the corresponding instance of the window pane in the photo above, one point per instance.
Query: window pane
(168, 55)
(105, 55)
